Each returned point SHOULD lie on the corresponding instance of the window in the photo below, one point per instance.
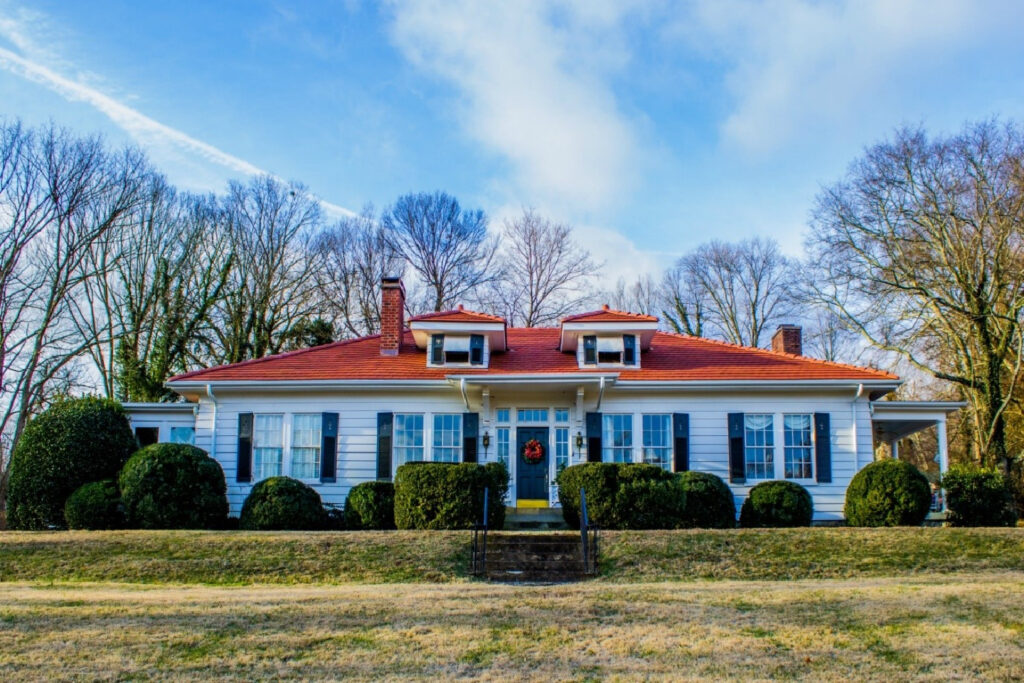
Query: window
(306, 446)
(447, 446)
(503, 415)
(629, 349)
(532, 415)
(759, 446)
(503, 445)
(590, 350)
(408, 439)
(617, 438)
(658, 440)
(437, 349)
(561, 448)
(147, 436)
(476, 349)
(609, 350)
(268, 445)
(183, 435)
(562, 415)
(798, 443)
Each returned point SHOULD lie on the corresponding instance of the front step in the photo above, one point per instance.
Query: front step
(524, 519)
(534, 557)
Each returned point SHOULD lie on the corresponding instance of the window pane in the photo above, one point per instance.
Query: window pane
(503, 445)
(407, 443)
(306, 445)
(561, 415)
(561, 448)
(658, 440)
(617, 438)
(503, 415)
(447, 446)
(268, 445)
(183, 435)
(798, 446)
(759, 442)
(532, 415)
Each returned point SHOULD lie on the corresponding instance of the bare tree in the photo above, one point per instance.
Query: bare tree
(743, 290)
(356, 255)
(683, 306)
(640, 296)
(447, 247)
(271, 227)
(921, 250)
(545, 274)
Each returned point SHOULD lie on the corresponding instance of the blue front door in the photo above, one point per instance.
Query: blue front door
(531, 478)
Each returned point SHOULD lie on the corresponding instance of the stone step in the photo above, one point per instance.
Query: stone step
(534, 557)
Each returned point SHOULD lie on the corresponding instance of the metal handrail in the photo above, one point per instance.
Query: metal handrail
(588, 537)
(478, 562)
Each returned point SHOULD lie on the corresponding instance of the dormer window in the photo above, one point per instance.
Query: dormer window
(609, 350)
(448, 349)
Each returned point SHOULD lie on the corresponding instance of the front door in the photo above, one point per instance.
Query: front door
(531, 477)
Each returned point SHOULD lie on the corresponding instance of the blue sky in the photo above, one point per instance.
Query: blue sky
(651, 126)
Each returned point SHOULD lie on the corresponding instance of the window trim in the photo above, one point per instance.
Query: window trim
(459, 442)
(767, 449)
(812, 449)
(319, 446)
(590, 349)
(257, 474)
(395, 445)
(607, 450)
(669, 445)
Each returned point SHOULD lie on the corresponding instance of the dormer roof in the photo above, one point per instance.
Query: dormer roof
(458, 315)
(607, 322)
(460, 321)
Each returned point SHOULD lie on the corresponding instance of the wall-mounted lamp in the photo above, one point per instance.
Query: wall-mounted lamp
(486, 440)
(579, 442)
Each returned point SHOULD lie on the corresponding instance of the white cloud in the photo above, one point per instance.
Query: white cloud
(533, 79)
(148, 132)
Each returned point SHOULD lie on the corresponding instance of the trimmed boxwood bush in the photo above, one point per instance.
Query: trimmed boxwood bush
(371, 505)
(173, 486)
(622, 496)
(281, 503)
(439, 495)
(709, 502)
(73, 442)
(888, 493)
(978, 497)
(777, 504)
(96, 505)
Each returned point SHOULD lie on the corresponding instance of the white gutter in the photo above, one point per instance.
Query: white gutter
(768, 385)
(600, 395)
(853, 423)
(465, 398)
(306, 385)
(213, 429)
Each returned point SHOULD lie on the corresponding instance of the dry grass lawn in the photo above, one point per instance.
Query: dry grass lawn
(959, 626)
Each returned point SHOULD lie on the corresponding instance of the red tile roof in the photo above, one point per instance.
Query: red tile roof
(535, 350)
(609, 315)
(459, 315)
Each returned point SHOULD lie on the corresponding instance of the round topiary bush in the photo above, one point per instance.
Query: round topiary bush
(888, 493)
(173, 486)
(777, 504)
(709, 502)
(622, 496)
(280, 503)
(73, 442)
(978, 497)
(96, 505)
(439, 495)
(371, 505)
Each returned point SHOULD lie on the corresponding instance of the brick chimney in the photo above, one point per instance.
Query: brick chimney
(392, 315)
(787, 340)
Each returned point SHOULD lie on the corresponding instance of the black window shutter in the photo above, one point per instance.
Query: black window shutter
(328, 447)
(590, 350)
(476, 349)
(385, 422)
(437, 349)
(243, 468)
(629, 349)
(470, 430)
(681, 441)
(737, 469)
(823, 448)
(593, 437)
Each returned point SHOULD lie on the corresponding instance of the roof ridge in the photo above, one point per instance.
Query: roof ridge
(772, 352)
(606, 309)
(459, 310)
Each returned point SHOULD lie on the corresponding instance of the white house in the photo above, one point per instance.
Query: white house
(460, 386)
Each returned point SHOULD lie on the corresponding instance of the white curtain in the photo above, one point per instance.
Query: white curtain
(613, 344)
(456, 343)
(757, 422)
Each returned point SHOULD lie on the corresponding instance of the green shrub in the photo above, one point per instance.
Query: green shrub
(371, 505)
(888, 493)
(96, 505)
(73, 442)
(437, 495)
(173, 486)
(281, 503)
(978, 497)
(622, 496)
(709, 502)
(777, 504)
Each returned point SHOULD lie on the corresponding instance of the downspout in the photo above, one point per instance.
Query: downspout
(853, 417)
(465, 398)
(213, 429)
(600, 394)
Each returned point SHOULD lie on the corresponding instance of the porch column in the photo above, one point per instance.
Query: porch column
(940, 433)
(894, 446)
